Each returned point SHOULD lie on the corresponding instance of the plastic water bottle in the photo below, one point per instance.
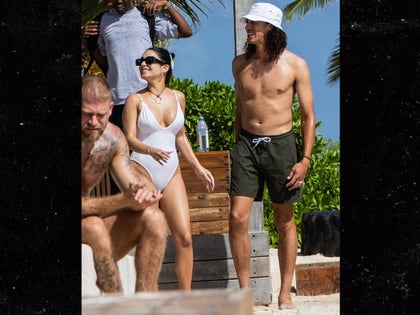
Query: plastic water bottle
(202, 135)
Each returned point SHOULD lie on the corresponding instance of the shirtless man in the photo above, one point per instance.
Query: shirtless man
(113, 225)
(267, 77)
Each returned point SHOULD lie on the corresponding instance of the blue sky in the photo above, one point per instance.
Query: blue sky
(207, 55)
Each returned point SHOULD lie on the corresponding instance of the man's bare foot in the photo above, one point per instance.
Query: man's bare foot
(286, 304)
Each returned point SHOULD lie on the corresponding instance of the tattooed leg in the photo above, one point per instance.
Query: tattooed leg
(108, 277)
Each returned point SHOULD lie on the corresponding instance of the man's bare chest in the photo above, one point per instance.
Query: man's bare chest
(94, 166)
(272, 80)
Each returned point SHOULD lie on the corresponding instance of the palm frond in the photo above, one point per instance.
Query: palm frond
(333, 70)
(91, 8)
(300, 8)
(203, 7)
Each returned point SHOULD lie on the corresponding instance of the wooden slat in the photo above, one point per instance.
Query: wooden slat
(209, 214)
(219, 174)
(216, 246)
(208, 200)
(211, 159)
(216, 270)
(199, 188)
(209, 227)
(104, 186)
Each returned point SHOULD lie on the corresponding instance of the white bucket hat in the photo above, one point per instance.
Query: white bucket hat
(265, 12)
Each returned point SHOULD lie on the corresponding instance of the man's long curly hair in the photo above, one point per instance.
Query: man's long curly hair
(276, 43)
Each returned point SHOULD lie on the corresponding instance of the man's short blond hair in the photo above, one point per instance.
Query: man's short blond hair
(95, 89)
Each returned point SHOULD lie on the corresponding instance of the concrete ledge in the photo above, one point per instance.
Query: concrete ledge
(312, 259)
(205, 302)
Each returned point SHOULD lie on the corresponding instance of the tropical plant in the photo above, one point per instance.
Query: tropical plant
(215, 101)
(91, 8)
(300, 8)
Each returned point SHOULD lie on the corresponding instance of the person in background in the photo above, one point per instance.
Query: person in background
(267, 77)
(153, 121)
(113, 225)
(124, 33)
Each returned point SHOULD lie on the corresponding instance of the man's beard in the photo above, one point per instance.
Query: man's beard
(90, 137)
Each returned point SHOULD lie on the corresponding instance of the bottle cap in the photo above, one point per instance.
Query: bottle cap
(201, 118)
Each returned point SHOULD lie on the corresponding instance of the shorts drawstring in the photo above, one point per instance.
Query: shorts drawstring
(257, 141)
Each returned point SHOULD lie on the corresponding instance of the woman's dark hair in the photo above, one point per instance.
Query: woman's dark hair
(166, 57)
(276, 43)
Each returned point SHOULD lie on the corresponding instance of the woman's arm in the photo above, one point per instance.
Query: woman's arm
(184, 146)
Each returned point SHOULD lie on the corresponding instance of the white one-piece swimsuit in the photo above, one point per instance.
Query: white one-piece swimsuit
(151, 133)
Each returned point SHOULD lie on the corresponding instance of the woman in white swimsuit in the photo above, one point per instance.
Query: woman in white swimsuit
(153, 121)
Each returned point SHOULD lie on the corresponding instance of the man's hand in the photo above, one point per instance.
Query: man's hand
(91, 28)
(296, 177)
(152, 5)
(140, 197)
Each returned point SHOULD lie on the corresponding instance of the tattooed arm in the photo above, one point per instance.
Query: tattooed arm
(135, 195)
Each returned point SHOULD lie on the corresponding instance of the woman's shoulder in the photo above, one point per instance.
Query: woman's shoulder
(178, 93)
(134, 99)
(137, 94)
(175, 91)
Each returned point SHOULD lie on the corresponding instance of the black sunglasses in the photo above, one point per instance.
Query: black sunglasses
(149, 60)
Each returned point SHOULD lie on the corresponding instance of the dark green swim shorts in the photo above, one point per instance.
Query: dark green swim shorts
(257, 159)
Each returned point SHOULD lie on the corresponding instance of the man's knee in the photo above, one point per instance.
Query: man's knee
(240, 212)
(283, 215)
(238, 220)
(153, 220)
(154, 215)
(93, 227)
(95, 234)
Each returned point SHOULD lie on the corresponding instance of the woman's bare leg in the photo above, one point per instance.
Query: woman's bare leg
(174, 204)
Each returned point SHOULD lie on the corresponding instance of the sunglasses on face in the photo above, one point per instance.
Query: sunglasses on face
(149, 60)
